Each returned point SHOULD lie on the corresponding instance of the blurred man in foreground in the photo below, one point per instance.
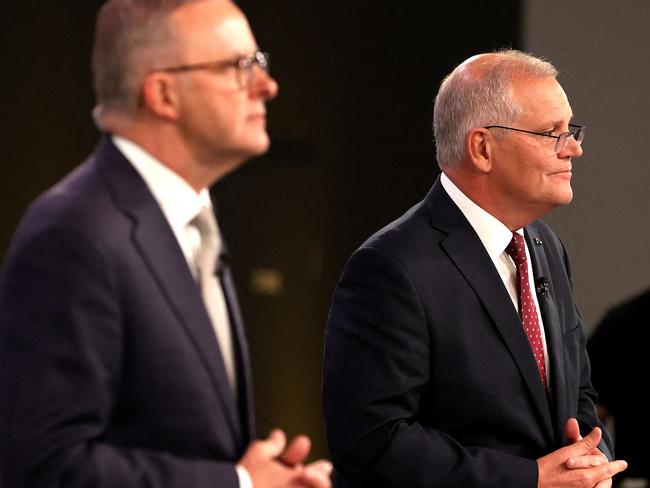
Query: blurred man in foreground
(123, 359)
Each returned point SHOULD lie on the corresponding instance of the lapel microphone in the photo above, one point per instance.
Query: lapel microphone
(222, 262)
(541, 286)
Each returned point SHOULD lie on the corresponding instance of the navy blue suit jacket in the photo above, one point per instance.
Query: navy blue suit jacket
(429, 379)
(110, 373)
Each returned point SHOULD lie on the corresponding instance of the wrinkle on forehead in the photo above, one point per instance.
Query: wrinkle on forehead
(543, 98)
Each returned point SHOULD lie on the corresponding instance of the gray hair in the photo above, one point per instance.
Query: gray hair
(130, 36)
(470, 98)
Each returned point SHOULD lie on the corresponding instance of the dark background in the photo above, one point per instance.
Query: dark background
(352, 150)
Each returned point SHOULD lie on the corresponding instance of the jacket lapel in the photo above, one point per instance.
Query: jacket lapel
(551, 320)
(244, 377)
(466, 250)
(156, 243)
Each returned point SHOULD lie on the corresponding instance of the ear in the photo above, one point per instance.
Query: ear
(479, 148)
(160, 95)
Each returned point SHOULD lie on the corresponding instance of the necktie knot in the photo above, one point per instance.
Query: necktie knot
(517, 249)
(207, 252)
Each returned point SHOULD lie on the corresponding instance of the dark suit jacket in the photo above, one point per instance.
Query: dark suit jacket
(110, 373)
(429, 379)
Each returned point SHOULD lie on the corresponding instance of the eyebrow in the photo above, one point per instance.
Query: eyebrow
(557, 123)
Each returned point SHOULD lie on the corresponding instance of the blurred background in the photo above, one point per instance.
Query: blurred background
(352, 149)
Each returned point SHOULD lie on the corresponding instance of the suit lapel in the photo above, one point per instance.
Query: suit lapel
(466, 251)
(551, 320)
(156, 243)
(245, 382)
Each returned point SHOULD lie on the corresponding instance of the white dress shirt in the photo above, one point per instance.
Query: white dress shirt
(495, 237)
(180, 203)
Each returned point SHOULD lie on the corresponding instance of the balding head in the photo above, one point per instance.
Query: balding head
(132, 37)
(478, 93)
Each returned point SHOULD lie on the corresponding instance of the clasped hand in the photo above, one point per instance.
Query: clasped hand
(272, 464)
(580, 464)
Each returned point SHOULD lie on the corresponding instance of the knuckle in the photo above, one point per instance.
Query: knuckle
(256, 446)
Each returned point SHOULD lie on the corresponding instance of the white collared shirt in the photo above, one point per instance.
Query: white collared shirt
(495, 237)
(179, 202)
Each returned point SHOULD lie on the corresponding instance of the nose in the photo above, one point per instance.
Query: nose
(263, 85)
(572, 149)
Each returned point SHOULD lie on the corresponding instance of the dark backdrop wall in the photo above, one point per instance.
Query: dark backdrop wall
(352, 150)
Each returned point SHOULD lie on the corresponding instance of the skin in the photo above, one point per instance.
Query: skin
(527, 177)
(272, 464)
(202, 125)
(517, 179)
(580, 464)
(222, 124)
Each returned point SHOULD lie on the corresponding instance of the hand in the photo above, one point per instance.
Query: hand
(560, 468)
(594, 458)
(572, 434)
(316, 474)
(270, 465)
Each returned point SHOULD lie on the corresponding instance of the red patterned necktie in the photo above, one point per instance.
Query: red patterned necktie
(527, 311)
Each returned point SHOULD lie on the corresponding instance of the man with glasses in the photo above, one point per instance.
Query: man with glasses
(454, 352)
(123, 357)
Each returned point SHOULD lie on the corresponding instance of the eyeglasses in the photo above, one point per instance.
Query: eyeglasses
(243, 67)
(575, 131)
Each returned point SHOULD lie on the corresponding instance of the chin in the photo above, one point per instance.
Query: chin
(259, 147)
(562, 194)
(564, 199)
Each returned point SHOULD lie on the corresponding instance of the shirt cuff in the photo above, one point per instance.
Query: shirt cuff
(245, 480)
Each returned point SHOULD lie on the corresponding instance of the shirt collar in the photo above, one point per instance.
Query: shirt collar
(178, 200)
(494, 235)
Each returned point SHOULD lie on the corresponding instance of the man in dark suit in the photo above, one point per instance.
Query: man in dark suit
(431, 376)
(123, 359)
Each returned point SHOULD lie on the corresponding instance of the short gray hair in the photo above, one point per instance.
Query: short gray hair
(466, 101)
(130, 36)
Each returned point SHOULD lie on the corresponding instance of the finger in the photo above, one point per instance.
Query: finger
(273, 445)
(572, 430)
(588, 443)
(604, 484)
(587, 461)
(317, 475)
(611, 468)
(297, 451)
(598, 452)
(322, 465)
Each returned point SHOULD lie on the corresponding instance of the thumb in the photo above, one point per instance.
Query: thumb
(274, 444)
(587, 444)
(297, 451)
(572, 430)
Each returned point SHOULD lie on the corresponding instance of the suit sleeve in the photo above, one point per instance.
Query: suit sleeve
(61, 352)
(586, 415)
(376, 371)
